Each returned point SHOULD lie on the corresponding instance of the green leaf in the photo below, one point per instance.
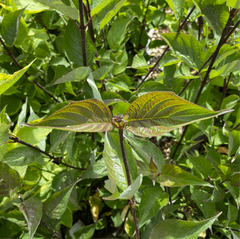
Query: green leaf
(177, 6)
(233, 3)
(113, 156)
(202, 165)
(107, 9)
(229, 102)
(147, 150)
(232, 214)
(32, 211)
(157, 113)
(139, 62)
(122, 82)
(216, 13)
(226, 69)
(78, 74)
(153, 199)
(186, 47)
(129, 192)
(21, 156)
(85, 232)
(55, 206)
(10, 180)
(15, 216)
(10, 25)
(72, 45)
(70, 11)
(6, 81)
(81, 116)
(174, 176)
(120, 108)
(95, 92)
(32, 6)
(201, 197)
(235, 180)
(117, 32)
(5, 124)
(174, 229)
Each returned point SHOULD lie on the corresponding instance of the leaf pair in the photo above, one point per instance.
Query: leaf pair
(150, 115)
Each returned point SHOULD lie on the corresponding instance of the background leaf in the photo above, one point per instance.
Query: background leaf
(32, 211)
(10, 180)
(174, 176)
(182, 229)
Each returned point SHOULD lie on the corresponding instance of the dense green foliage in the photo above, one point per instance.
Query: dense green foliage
(83, 120)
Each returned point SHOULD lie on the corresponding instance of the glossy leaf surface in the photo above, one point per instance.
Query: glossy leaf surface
(82, 116)
(157, 113)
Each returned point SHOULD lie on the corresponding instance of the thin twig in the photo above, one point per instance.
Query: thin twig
(166, 49)
(82, 32)
(17, 63)
(129, 181)
(55, 160)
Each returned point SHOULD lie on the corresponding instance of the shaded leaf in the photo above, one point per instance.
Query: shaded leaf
(55, 206)
(174, 176)
(202, 165)
(235, 180)
(82, 116)
(6, 81)
(182, 229)
(157, 113)
(15, 216)
(153, 199)
(21, 156)
(147, 150)
(10, 25)
(117, 33)
(32, 211)
(10, 180)
(72, 45)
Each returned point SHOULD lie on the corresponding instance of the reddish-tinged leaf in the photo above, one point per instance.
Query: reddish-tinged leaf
(235, 180)
(82, 116)
(159, 112)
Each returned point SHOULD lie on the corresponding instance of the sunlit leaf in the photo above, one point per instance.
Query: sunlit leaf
(9, 26)
(174, 176)
(157, 113)
(186, 47)
(6, 81)
(82, 116)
